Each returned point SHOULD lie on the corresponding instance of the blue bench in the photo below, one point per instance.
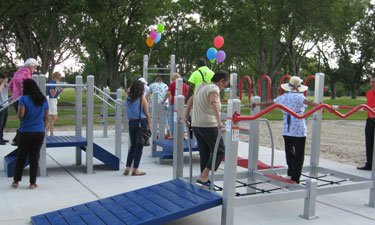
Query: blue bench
(156, 204)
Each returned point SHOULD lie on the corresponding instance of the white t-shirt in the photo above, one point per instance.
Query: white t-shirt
(202, 115)
(4, 95)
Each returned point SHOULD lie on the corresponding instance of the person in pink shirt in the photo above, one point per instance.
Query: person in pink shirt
(23, 73)
(15, 85)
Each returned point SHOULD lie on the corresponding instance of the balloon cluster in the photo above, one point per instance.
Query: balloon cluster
(213, 54)
(155, 36)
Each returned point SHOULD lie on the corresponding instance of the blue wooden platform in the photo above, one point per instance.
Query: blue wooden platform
(167, 146)
(66, 141)
(156, 204)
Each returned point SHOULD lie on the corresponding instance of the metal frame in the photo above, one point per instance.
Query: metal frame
(308, 190)
(172, 68)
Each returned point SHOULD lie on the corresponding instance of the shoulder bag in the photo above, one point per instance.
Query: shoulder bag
(144, 134)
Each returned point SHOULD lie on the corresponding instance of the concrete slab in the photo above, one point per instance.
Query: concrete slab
(67, 185)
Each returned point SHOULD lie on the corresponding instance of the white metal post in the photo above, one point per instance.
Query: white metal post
(118, 123)
(43, 150)
(179, 89)
(173, 67)
(90, 124)
(233, 85)
(105, 112)
(230, 168)
(317, 122)
(253, 143)
(310, 200)
(78, 130)
(178, 140)
(371, 202)
(154, 122)
(145, 67)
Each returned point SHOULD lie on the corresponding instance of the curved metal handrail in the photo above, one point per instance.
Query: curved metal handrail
(237, 117)
(213, 163)
(272, 145)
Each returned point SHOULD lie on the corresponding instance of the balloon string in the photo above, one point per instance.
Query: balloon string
(149, 54)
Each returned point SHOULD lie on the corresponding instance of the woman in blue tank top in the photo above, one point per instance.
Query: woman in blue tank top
(135, 97)
(33, 114)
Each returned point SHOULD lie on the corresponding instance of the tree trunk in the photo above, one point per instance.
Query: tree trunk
(332, 88)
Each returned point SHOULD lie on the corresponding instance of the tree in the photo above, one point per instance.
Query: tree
(116, 30)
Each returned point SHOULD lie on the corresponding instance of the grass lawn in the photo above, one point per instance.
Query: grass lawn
(67, 110)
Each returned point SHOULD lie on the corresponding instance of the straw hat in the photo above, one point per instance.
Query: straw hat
(294, 85)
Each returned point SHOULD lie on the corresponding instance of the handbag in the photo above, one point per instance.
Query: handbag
(144, 134)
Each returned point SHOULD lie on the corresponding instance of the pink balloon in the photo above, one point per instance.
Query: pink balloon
(220, 56)
(218, 41)
(153, 34)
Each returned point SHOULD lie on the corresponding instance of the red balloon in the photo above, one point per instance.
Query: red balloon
(218, 41)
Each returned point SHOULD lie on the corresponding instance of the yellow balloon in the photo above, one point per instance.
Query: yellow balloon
(149, 42)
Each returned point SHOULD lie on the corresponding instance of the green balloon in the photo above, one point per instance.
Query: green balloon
(160, 28)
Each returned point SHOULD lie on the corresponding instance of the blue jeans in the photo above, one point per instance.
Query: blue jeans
(3, 121)
(171, 122)
(135, 151)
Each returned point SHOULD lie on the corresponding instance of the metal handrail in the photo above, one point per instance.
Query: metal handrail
(65, 85)
(272, 145)
(11, 103)
(6, 101)
(109, 97)
(221, 131)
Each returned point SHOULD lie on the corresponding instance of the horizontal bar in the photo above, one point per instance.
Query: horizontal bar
(273, 197)
(159, 68)
(159, 74)
(65, 85)
(345, 187)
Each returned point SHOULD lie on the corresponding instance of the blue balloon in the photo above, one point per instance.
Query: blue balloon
(211, 54)
(157, 39)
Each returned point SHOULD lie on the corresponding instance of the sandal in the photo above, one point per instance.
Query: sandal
(139, 173)
(206, 184)
(33, 186)
(15, 184)
(126, 172)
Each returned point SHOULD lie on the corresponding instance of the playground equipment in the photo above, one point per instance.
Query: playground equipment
(291, 191)
(260, 86)
(158, 135)
(152, 199)
(87, 144)
(171, 69)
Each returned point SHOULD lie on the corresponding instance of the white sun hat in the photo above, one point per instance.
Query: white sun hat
(294, 85)
(31, 62)
(143, 80)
